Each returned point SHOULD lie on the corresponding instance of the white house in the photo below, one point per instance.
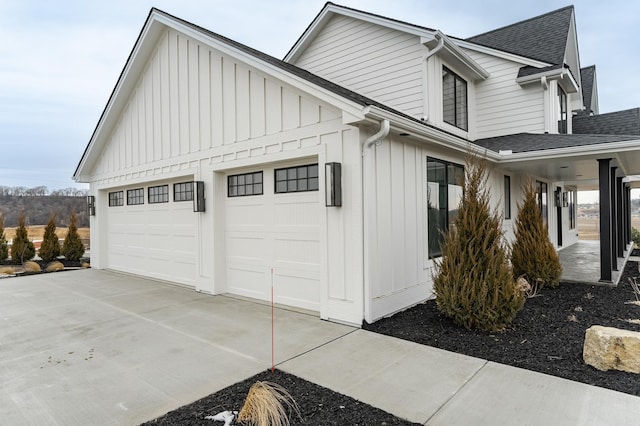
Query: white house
(221, 168)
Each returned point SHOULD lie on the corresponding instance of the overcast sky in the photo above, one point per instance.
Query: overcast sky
(59, 60)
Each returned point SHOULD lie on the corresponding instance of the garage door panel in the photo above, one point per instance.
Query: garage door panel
(154, 240)
(279, 232)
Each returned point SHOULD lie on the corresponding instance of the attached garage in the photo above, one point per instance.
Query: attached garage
(272, 234)
(151, 231)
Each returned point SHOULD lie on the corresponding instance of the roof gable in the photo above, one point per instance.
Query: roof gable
(543, 37)
(625, 122)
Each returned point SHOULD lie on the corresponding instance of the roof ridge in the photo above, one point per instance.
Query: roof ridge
(521, 22)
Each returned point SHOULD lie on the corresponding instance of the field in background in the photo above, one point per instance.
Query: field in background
(589, 228)
(37, 232)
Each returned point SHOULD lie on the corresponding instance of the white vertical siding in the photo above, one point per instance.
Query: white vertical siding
(193, 99)
(396, 275)
(502, 106)
(378, 62)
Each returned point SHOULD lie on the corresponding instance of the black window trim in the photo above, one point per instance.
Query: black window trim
(235, 189)
(307, 179)
(135, 199)
(160, 197)
(456, 121)
(183, 191)
(116, 198)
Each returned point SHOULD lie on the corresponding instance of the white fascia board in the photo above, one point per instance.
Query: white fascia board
(501, 54)
(606, 149)
(458, 54)
(428, 133)
(556, 74)
(135, 63)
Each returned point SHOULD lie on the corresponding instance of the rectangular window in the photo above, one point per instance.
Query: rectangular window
(244, 184)
(562, 120)
(454, 99)
(116, 198)
(507, 197)
(135, 196)
(572, 208)
(159, 194)
(297, 179)
(444, 193)
(542, 201)
(183, 191)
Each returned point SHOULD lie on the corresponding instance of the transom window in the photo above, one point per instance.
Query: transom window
(244, 184)
(454, 99)
(297, 179)
(159, 194)
(183, 191)
(135, 196)
(444, 193)
(116, 198)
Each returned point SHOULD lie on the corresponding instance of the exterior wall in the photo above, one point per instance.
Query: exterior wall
(378, 62)
(196, 112)
(502, 106)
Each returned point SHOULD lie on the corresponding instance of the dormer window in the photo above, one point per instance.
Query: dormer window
(454, 99)
(562, 122)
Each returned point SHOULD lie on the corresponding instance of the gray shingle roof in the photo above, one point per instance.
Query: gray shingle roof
(587, 77)
(527, 142)
(543, 37)
(625, 122)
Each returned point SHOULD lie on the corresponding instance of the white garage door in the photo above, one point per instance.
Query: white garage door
(155, 240)
(274, 237)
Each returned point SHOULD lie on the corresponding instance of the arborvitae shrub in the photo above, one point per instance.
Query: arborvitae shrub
(21, 248)
(4, 247)
(50, 247)
(473, 281)
(532, 253)
(72, 248)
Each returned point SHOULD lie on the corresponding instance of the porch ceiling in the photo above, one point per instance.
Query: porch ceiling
(579, 170)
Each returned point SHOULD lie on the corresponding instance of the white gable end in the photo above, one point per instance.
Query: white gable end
(378, 62)
(192, 99)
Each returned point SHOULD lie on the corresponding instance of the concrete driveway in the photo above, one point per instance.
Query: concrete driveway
(94, 347)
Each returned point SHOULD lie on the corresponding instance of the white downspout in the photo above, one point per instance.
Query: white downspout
(369, 213)
(425, 76)
(376, 138)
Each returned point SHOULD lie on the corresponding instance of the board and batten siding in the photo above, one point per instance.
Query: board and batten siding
(375, 61)
(193, 101)
(398, 269)
(502, 106)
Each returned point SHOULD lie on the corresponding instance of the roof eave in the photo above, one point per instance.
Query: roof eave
(455, 54)
(569, 83)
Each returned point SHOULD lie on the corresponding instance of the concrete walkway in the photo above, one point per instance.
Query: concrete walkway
(97, 348)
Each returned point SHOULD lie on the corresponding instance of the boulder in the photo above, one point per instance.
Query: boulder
(607, 348)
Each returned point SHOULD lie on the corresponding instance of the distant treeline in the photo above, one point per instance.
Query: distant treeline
(38, 208)
(39, 191)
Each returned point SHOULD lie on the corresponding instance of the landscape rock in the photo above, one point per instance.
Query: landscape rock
(608, 348)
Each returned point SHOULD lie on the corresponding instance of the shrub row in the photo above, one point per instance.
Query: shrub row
(22, 249)
(479, 281)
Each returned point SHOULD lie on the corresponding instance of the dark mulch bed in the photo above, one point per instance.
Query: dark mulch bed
(547, 335)
(318, 405)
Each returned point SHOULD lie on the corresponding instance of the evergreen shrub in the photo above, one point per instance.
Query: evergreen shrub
(50, 247)
(533, 256)
(72, 248)
(4, 246)
(21, 248)
(473, 281)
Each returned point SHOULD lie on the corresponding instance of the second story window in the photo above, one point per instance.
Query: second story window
(454, 99)
(562, 121)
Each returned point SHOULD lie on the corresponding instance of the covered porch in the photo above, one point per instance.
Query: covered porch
(581, 263)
